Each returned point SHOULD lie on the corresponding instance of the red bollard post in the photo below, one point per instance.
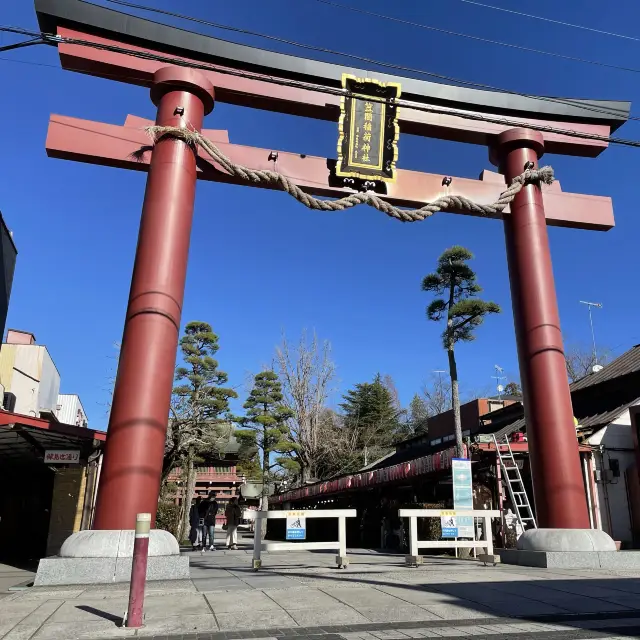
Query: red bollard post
(135, 611)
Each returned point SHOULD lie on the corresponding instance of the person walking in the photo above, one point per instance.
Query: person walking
(233, 514)
(195, 535)
(210, 520)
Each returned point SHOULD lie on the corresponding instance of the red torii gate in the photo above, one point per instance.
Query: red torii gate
(137, 51)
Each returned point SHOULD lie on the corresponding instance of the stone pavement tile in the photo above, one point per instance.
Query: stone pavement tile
(325, 616)
(525, 608)
(215, 584)
(179, 625)
(49, 594)
(82, 631)
(301, 598)
(29, 625)
(577, 604)
(186, 604)
(250, 619)
(86, 610)
(19, 608)
(364, 635)
(459, 611)
(449, 631)
(389, 635)
(397, 613)
(629, 601)
(364, 597)
(240, 601)
(271, 583)
(419, 596)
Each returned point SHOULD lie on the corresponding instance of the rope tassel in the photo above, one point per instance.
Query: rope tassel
(544, 175)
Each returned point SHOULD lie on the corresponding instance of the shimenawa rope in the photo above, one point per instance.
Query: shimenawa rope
(458, 203)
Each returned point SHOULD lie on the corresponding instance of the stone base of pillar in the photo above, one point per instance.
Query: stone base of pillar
(569, 549)
(105, 557)
(565, 540)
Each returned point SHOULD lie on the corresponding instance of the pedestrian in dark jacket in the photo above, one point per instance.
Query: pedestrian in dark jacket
(210, 521)
(195, 535)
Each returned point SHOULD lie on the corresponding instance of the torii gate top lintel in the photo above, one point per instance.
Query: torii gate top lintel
(92, 22)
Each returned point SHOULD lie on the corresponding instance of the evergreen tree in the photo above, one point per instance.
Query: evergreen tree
(198, 424)
(513, 389)
(464, 312)
(370, 416)
(266, 430)
(418, 415)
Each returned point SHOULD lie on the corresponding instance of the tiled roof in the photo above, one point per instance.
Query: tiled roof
(604, 418)
(628, 362)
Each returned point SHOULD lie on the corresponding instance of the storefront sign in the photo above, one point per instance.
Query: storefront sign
(296, 526)
(368, 142)
(62, 456)
(465, 527)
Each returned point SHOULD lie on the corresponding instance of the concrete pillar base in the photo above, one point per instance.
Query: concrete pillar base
(105, 557)
(565, 540)
(489, 558)
(413, 561)
(342, 562)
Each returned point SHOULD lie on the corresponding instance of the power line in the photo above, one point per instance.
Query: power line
(560, 22)
(55, 40)
(380, 63)
(476, 38)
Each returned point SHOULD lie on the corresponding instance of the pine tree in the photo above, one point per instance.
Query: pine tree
(198, 424)
(456, 281)
(266, 429)
(371, 418)
(418, 415)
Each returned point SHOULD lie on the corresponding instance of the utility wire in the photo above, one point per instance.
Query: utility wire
(396, 67)
(560, 22)
(56, 39)
(476, 38)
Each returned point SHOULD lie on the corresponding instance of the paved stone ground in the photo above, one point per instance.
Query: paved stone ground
(303, 594)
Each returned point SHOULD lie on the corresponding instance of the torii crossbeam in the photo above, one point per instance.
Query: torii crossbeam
(117, 46)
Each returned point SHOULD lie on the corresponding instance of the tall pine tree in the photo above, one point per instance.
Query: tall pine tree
(266, 429)
(198, 425)
(371, 417)
(456, 282)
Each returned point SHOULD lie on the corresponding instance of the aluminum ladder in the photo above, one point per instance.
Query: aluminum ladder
(515, 486)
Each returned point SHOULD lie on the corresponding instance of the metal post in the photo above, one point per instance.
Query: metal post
(342, 561)
(553, 448)
(257, 541)
(130, 479)
(135, 610)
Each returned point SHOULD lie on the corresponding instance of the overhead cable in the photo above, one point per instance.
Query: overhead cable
(481, 117)
(431, 74)
(560, 22)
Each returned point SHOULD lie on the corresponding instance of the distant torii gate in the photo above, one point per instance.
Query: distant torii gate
(132, 466)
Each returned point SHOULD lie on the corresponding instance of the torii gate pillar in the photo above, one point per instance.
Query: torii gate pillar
(130, 477)
(553, 449)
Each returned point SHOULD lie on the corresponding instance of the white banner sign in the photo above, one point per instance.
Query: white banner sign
(62, 456)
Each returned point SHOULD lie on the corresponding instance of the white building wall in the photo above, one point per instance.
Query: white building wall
(49, 383)
(32, 377)
(616, 444)
(71, 410)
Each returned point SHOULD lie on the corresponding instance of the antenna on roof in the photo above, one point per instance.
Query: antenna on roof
(596, 367)
(498, 377)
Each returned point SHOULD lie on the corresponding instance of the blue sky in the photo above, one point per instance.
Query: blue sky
(260, 262)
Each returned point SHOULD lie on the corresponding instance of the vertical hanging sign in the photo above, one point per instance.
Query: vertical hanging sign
(462, 484)
(368, 142)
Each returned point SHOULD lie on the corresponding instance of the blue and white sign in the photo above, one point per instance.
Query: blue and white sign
(465, 527)
(462, 484)
(296, 526)
(448, 525)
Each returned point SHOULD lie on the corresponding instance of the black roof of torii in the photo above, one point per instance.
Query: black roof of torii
(105, 22)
